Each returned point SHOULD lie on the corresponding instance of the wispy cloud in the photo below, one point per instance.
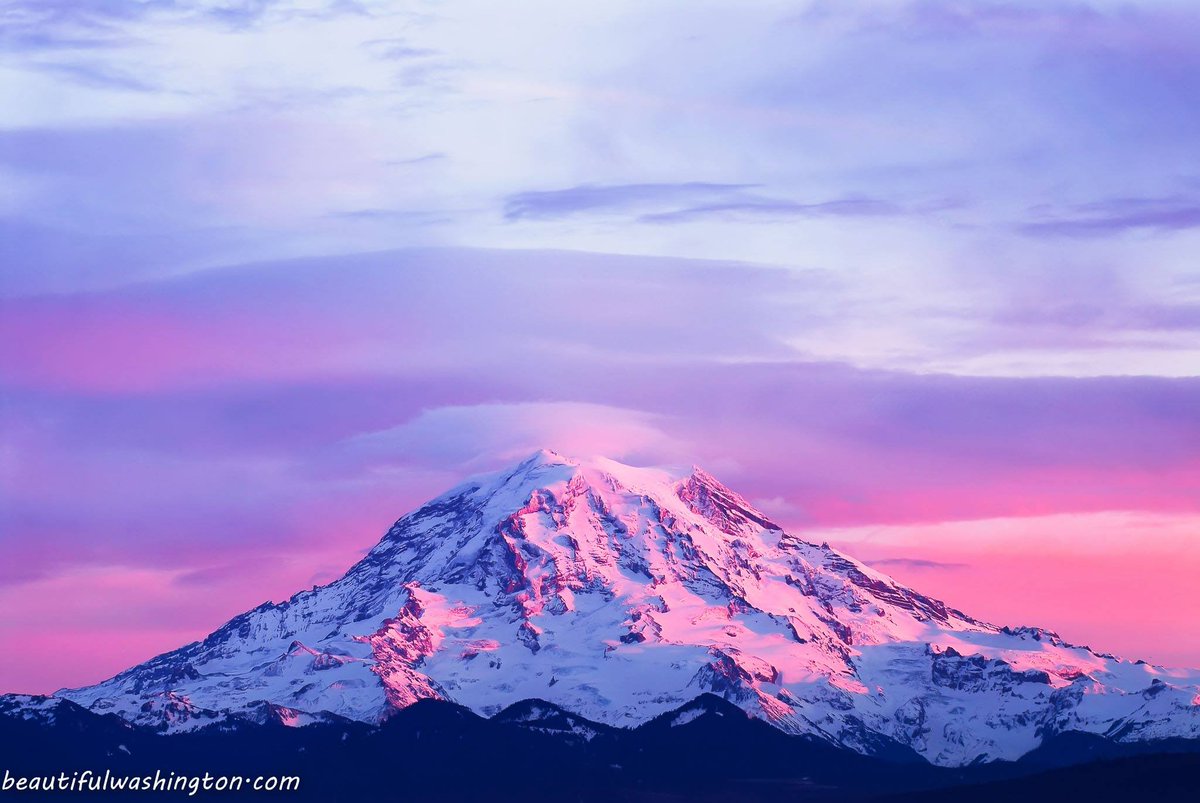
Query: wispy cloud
(398, 49)
(420, 160)
(99, 76)
(1086, 314)
(18, 40)
(1116, 216)
(585, 198)
(771, 208)
(917, 563)
(245, 14)
(35, 26)
(677, 203)
(406, 216)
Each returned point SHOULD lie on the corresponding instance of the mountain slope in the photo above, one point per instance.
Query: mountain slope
(621, 593)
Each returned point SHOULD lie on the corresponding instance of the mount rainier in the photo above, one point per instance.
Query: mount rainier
(621, 593)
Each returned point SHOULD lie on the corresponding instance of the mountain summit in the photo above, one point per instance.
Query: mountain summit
(621, 593)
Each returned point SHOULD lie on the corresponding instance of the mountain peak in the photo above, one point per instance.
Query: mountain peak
(550, 474)
(729, 511)
(546, 457)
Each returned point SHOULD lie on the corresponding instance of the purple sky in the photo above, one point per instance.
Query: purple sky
(919, 278)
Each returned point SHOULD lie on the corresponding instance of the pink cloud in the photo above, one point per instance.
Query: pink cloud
(1120, 582)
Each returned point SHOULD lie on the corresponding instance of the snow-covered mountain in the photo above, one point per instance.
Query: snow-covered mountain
(621, 593)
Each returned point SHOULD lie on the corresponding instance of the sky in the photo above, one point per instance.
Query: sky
(918, 278)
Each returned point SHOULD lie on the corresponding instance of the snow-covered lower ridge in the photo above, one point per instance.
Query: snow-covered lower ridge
(619, 593)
